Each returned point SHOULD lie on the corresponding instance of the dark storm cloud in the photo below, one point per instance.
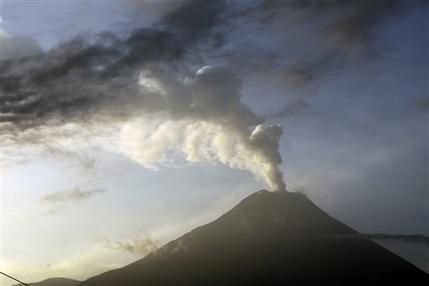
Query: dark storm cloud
(358, 20)
(347, 32)
(301, 43)
(194, 18)
(80, 76)
(354, 20)
(96, 74)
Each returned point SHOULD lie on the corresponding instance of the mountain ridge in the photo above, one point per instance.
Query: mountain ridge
(269, 237)
(55, 281)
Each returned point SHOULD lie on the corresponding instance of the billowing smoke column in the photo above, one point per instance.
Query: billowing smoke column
(141, 83)
(137, 80)
(203, 120)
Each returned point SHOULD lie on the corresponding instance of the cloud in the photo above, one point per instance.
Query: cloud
(70, 196)
(106, 80)
(203, 119)
(140, 245)
(295, 106)
(422, 103)
(16, 47)
(302, 45)
(95, 74)
(146, 77)
(195, 18)
(351, 22)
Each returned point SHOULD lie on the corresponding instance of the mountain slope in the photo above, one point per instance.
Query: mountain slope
(267, 239)
(56, 282)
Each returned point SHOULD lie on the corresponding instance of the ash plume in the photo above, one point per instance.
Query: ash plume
(139, 81)
(94, 74)
(203, 120)
(143, 83)
(141, 86)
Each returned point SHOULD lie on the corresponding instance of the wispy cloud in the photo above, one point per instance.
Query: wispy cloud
(69, 196)
(141, 244)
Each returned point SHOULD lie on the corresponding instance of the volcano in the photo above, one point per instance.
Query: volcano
(269, 238)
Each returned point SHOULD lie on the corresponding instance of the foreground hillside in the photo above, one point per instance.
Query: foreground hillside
(56, 282)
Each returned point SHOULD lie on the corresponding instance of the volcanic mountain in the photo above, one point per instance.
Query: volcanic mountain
(269, 238)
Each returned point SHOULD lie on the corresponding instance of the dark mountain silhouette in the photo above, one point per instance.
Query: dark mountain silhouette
(55, 282)
(414, 238)
(269, 238)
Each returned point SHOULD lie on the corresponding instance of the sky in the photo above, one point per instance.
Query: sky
(128, 123)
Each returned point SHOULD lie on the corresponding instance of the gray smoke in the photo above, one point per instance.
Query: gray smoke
(202, 119)
(94, 74)
(144, 84)
(138, 83)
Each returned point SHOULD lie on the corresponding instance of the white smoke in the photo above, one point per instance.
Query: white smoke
(201, 119)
